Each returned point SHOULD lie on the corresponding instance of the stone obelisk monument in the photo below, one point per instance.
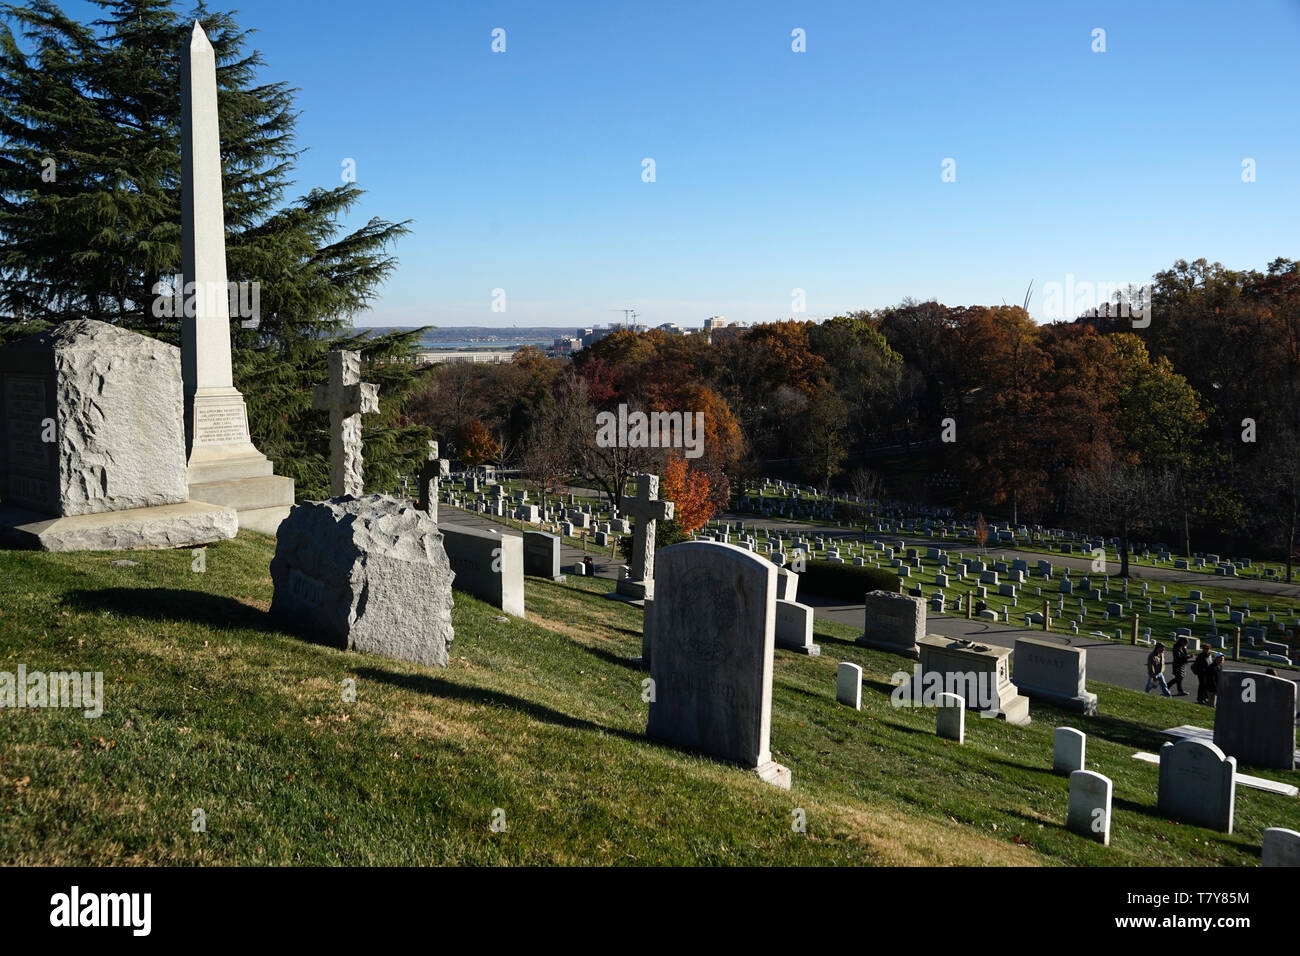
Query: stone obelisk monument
(224, 467)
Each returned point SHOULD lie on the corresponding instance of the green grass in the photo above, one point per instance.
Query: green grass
(209, 705)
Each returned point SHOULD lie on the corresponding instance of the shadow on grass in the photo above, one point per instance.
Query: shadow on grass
(631, 663)
(1123, 732)
(173, 604)
(438, 687)
(823, 638)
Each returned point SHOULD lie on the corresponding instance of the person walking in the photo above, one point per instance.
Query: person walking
(1213, 674)
(1201, 668)
(1156, 670)
(1181, 657)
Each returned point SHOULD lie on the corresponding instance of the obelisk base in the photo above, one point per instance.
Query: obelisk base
(225, 468)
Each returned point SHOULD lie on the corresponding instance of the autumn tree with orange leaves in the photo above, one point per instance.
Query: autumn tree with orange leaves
(689, 491)
(476, 444)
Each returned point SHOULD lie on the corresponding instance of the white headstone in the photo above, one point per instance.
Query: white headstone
(1069, 747)
(848, 684)
(1090, 805)
(950, 717)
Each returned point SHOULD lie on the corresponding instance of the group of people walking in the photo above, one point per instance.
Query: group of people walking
(1207, 666)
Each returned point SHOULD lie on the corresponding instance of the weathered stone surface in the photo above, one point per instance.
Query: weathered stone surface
(894, 622)
(346, 398)
(713, 636)
(979, 673)
(1254, 719)
(112, 403)
(366, 574)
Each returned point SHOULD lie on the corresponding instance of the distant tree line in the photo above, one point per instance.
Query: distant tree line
(1186, 430)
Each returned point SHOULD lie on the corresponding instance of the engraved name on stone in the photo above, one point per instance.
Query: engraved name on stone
(220, 425)
(25, 410)
(306, 588)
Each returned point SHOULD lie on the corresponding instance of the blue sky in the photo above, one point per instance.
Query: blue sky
(778, 170)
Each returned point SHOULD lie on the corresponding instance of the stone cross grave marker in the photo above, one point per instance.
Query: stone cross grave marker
(346, 398)
(431, 472)
(648, 509)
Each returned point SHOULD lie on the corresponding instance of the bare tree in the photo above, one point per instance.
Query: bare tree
(867, 483)
(1125, 498)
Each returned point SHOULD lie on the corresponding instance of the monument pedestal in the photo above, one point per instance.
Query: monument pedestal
(225, 468)
(632, 591)
(188, 524)
(261, 502)
(972, 670)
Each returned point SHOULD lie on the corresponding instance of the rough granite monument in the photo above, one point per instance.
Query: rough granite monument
(365, 574)
(92, 455)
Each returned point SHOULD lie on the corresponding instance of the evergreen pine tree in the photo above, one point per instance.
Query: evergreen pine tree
(90, 219)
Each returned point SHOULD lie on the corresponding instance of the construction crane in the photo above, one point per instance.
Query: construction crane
(629, 316)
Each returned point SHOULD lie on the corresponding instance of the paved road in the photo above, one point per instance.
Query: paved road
(605, 565)
(1108, 661)
(1112, 662)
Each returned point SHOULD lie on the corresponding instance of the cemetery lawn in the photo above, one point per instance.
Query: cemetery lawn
(210, 706)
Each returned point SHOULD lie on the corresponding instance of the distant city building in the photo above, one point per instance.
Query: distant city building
(591, 336)
(567, 344)
(714, 322)
(672, 328)
(491, 356)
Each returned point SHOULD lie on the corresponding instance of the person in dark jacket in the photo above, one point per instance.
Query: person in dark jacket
(1201, 668)
(1181, 657)
(1212, 679)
